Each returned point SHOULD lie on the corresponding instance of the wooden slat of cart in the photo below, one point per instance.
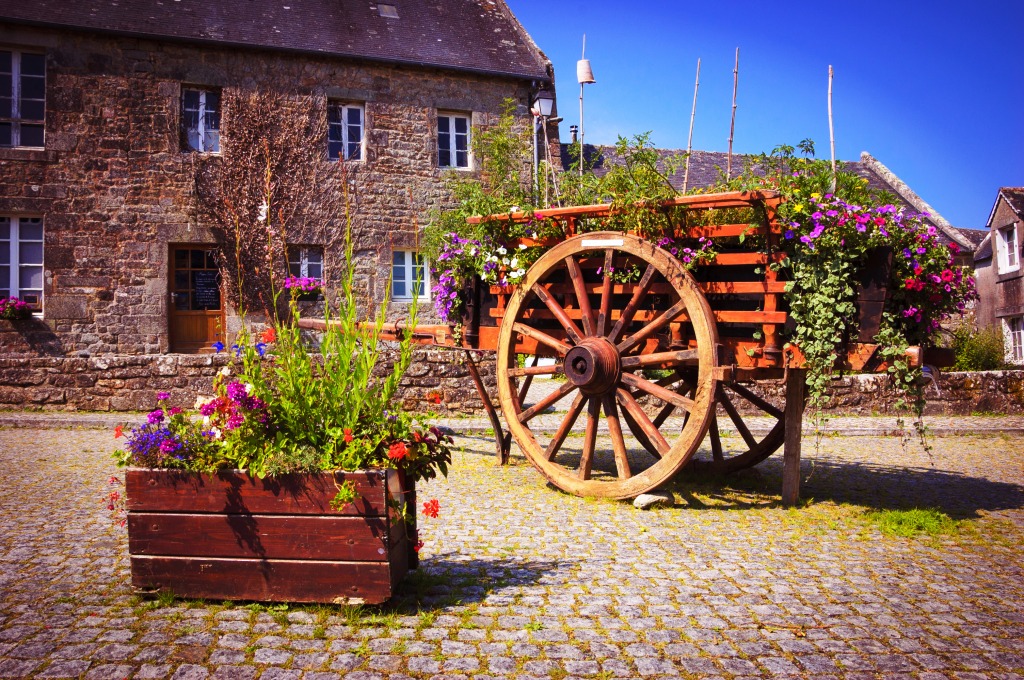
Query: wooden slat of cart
(721, 316)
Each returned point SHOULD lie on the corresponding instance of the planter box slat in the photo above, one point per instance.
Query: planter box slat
(230, 536)
(302, 537)
(229, 491)
(266, 580)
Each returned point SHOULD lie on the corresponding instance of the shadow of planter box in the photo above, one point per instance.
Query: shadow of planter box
(230, 536)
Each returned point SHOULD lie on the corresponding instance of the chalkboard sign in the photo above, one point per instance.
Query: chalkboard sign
(205, 290)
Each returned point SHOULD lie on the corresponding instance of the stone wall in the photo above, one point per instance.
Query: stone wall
(114, 187)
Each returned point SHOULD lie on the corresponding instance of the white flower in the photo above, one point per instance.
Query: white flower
(514, 262)
(264, 209)
(206, 421)
(226, 371)
(202, 401)
(472, 251)
(216, 433)
(248, 388)
(504, 260)
(520, 271)
(522, 246)
(501, 250)
(492, 258)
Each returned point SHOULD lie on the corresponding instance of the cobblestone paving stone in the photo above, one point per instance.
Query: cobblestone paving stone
(520, 580)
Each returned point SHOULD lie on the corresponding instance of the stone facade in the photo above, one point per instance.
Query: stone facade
(113, 185)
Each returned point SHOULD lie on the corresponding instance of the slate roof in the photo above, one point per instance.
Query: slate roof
(1014, 196)
(708, 167)
(470, 35)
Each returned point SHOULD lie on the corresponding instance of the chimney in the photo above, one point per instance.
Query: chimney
(573, 131)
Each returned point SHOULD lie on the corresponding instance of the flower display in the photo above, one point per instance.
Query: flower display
(12, 308)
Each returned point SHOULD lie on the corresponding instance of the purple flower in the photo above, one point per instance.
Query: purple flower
(155, 417)
(788, 234)
(209, 408)
(218, 346)
(168, 446)
(261, 348)
(163, 396)
(236, 392)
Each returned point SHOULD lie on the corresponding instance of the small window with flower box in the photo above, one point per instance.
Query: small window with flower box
(22, 98)
(410, 277)
(21, 260)
(306, 271)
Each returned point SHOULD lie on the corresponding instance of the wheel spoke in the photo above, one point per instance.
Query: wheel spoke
(756, 400)
(525, 387)
(606, 291)
(638, 297)
(716, 438)
(580, 287)
(627, 402)
(618, 443)
(565, 426)
(661, 359)
(560, 315)
(590, 438)
(653, 327)
(541, 337)
(657, 391)
(734, 415)
(547, 401)
(519, 372)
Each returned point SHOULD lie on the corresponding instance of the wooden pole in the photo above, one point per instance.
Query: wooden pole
(689, 140)
(831, 130)
(583, 55)
(794, 415)
(732, 125)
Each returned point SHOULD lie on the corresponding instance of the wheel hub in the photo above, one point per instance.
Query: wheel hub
(593, 366)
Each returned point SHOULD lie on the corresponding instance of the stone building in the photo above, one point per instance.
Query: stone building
(1000, 274)
(105, 105)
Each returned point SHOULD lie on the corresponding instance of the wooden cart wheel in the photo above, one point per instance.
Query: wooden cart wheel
(738, 404)
(604, 335)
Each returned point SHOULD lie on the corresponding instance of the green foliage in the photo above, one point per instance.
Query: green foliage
(978, 349)
(346, 494)
(910, 523)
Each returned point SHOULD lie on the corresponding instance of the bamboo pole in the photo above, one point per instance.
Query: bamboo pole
(732, 124)
(831, 129)
(689, 139)
(583, 55)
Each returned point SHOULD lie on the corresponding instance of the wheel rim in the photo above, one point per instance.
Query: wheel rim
(604, 336)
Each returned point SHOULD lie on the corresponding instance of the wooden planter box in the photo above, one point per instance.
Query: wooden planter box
(230, 536)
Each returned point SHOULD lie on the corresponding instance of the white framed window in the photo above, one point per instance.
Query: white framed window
(453, 140)
(22, 98)
(409, 276)
(1015, 339)
(306, 261)
(200, 119)
(1007, 249)
(345, 131)
(21, 259)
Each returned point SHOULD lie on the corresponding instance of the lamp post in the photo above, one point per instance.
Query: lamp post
(543, 103)
(584, 76)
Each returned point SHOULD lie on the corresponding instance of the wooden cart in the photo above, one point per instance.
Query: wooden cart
(658, 355)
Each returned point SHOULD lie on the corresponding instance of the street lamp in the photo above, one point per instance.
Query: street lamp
(543, 104)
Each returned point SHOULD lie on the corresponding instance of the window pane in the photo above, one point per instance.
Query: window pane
(5, 134)
(5, 228)
(5, 255)
(443, 124)
(5, 278)
(4, 292)
(398, 258)
(191, 100)
(334, 150)
(181, 280)
(31, 135)
(213, 103)
(444, 157)
(354, 151)
(33, 88)
(315, 270)
(398, 289)
(32, 109)
(355, 115)
(334, 113)
(5, 62)
(295, 269)
(31, 229)
(33, 64)
(197, 259)
(5, 84)
(461, 125)
(31, 277)
(211, 141)
(315, 255)
(181, 301)
(30, 253)
(461, 159)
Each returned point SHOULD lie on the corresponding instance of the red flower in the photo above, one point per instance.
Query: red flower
(118, 431)
(918, 271)
(434, 397)
(418, 546)
(348, 434)
(397, 451)
(269, 335)
(909, 284)
(431, 507)
(947, 275)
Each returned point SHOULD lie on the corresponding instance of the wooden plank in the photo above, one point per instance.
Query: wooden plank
(708, 287)
(232, 491)
(644, 316)
(268, 580)
(303, 537)
(724, 230)
(794, 412)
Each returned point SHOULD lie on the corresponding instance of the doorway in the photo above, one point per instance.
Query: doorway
(196, 312)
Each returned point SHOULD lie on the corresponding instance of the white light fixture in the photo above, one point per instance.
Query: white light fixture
(543, 103)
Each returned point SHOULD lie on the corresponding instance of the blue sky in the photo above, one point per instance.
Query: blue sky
(932, 89)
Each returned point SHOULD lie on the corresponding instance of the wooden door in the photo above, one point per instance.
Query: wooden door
(196, 312)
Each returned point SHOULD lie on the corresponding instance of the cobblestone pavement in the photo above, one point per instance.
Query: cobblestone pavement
(520, 580)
